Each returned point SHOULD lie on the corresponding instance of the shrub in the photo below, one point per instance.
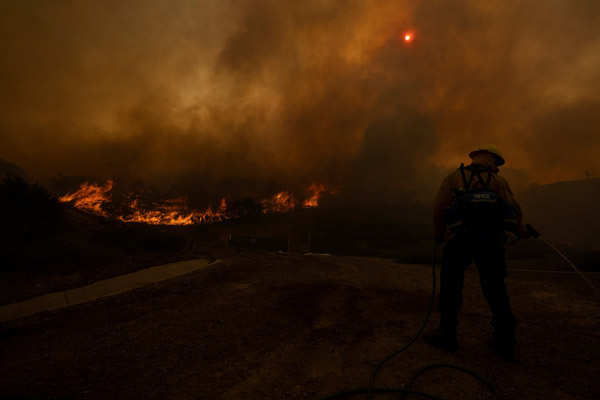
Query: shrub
(27, 212)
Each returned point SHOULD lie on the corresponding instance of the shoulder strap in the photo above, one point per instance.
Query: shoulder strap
(484, 183)
(477, 170)
(464, 177)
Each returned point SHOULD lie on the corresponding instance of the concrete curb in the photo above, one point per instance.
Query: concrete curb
(100, 289)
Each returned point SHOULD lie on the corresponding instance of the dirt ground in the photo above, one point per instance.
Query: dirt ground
(274, 326)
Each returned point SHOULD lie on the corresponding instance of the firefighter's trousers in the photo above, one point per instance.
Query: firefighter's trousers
(489, 256)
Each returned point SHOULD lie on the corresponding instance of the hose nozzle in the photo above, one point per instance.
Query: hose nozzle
(531, 232)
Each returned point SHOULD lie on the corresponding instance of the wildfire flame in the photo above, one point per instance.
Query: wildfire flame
(315, 190)
(175, 212)
(90, 197)
(279, 203)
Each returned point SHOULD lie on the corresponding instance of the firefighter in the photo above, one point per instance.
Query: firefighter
(475, 214)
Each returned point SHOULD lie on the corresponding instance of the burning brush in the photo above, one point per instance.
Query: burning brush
(94, 198)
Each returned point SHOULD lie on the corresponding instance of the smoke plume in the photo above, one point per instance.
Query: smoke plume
(221, 94)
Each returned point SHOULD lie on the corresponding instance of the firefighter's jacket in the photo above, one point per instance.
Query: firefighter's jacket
(445, 198)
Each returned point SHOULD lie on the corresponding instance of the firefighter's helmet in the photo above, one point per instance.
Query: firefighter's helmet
(491, 150)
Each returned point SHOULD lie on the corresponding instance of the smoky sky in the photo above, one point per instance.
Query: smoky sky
(289, 92)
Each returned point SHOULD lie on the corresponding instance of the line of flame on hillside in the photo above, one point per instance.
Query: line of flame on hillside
(90, 197)
(315, 190)
(93, 198)
(175, 212)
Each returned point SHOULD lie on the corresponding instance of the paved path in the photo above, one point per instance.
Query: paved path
(107, 287)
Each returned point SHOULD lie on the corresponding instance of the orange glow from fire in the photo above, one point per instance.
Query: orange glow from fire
(408, 37)
(315, 190)
(175, 212)
(279, 203)
(90, 197)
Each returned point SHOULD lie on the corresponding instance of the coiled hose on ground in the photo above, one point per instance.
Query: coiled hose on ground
(371, 390)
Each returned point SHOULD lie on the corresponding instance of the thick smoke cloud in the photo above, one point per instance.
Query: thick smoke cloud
(218, 94)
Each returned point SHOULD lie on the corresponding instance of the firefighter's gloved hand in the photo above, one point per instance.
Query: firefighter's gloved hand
(510, 238)
(531, 232)
(523, 232)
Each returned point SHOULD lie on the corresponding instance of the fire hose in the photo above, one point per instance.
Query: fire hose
(535, 234)
(407, 390)
(403, 392)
